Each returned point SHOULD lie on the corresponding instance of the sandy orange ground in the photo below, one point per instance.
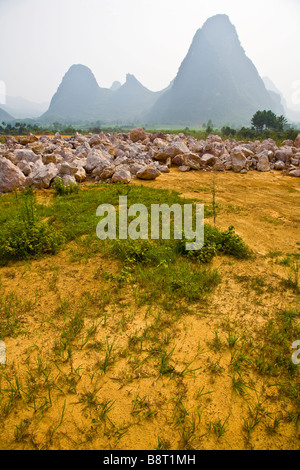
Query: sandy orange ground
(265, 210)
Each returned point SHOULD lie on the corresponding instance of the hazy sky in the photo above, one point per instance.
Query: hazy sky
(41, 39)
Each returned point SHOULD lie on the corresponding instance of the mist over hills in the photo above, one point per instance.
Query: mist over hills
(22, 108)
(5, 117)
(216, 81)
(78, 97)
(291, 114)
(129, 101)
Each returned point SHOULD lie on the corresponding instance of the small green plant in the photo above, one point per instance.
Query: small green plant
(239, 386)
(64, 190)
(109, 358)
(21, 431)
(293, 280)
(220, 428)
(142, 252)
(253, 420)
(216, 344)
(142, 407)
(163, 444)
(232, 244)
(273, 426)
(27, 236)
(217, 242)
(232, 339)
(165, 366)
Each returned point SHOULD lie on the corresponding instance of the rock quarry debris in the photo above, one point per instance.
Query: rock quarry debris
(111, 157)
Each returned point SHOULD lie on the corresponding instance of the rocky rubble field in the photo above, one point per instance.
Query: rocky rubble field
(37, 161)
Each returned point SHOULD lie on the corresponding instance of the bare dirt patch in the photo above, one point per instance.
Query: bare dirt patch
(94, 364)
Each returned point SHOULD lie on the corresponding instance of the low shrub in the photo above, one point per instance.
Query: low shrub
(63, 190)
(217, 242)
(27, 235)
(142, 251)
(22, 241)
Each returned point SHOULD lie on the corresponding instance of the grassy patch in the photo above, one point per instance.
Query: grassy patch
(31, 229)
(24, 235)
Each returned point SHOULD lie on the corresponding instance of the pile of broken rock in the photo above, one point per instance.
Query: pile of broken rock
(37, 161)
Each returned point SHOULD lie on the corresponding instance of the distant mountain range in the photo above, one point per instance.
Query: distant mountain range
(291, 114)
(21, 108)
(79, 98)
(216, 81)
(5, 117)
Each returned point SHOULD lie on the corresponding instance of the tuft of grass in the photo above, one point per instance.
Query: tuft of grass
(217, 242)
(220, 428)
(293, 280)
(109, 358)
(24, 235)
(181, 281)
(63, 190)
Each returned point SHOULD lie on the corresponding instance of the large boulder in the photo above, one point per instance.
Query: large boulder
(57, 138)
(107, 172)
(68, 168)
(171, 151)
(208, 159)
(83, 150)
(238, 160)
(95, 158)
(184, 168)
(163, 168)
(295, 160)
(160, 143)
(284, 154)
(41, 175)
(149, 172)
(79, 138)
(213, 138)
(138, 134)
(103, 164)
(95, 140)
(80, 175)
(295, 173)
(52, 158)
(10, 176)
(198, 146)
(178, 160)
(297, 142)
(25, 167)
(121, 176)
(219, 165)
(28, 139)
(68, 180)
(72, 168)
(192, 160)
(246, 151)
(135, 167)
(281, 156)
(279, 165)
(27, 155)
(263, 163)
(10, 142)
(157, 135)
